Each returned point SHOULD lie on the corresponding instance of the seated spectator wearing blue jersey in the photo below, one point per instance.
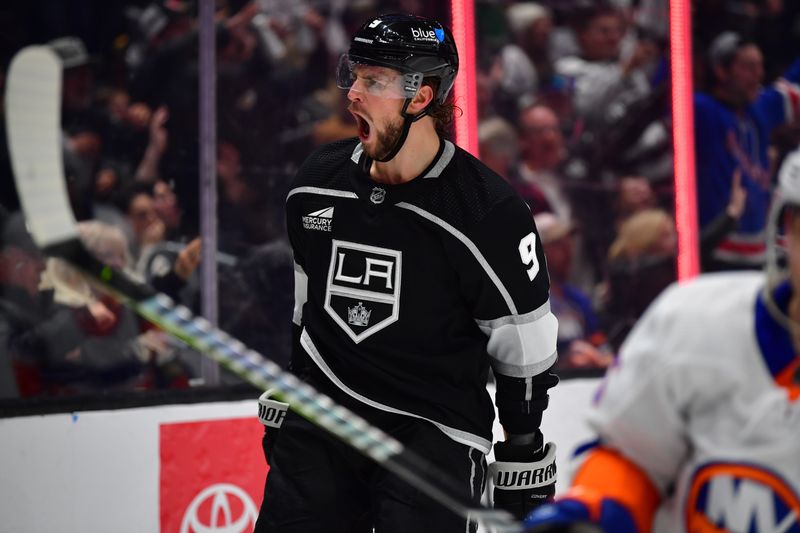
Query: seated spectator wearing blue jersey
(733, 124)
(581, 342)
(695, 426)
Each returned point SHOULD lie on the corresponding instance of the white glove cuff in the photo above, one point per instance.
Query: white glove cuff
(524, 476)
(271, 412)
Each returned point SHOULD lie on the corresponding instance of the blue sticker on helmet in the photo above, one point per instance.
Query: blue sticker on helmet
(439, 34)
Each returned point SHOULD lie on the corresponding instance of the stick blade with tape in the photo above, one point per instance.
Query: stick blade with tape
(33, 114)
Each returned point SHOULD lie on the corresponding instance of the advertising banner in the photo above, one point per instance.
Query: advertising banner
(211, 476)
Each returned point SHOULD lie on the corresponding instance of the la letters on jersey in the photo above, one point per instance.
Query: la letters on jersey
(740, 499)
(363, 290)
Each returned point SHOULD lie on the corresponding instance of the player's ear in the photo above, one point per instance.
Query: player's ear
(421, 100)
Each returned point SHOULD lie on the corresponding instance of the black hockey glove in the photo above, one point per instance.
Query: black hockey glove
(524, 474)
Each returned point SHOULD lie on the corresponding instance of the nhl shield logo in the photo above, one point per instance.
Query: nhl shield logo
(363, 290)
(378, 195)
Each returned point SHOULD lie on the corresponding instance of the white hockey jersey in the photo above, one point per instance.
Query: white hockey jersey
(704, 399)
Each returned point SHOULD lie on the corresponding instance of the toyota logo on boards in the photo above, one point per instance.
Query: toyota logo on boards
(220, 508)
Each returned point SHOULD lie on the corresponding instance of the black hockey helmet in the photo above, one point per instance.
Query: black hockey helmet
(409, 44)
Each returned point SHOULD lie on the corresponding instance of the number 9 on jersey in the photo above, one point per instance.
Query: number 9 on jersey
(527, 252)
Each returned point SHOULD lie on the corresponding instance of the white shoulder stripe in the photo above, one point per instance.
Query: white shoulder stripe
(522, 349)
(321, 191)
(300, 293)
(471, 247)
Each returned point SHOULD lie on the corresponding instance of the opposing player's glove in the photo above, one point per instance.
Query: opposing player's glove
(524, 475)
(551, 518)
(571, 515)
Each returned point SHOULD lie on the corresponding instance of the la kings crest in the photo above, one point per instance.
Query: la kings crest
(362, 294)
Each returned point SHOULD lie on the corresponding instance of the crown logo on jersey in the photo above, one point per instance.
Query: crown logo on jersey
(378, 195)
(358, 315)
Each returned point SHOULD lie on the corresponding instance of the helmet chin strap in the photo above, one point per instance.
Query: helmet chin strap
(407, 121)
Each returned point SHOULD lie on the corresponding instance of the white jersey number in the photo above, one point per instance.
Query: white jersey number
(527, 252)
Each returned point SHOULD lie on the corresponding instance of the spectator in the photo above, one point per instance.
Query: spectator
(144, 228)
(158, 140)
(733, 124)
(641, 260)
(540, 176)
(243, 221)
(79, 121)
(543, 151)
(66, 338)
(599, 75)
(152, 217)
(166, 205)
(641, 263)
(263, 324)
(634, 194)
(21, 307)
(499, 147)
(581, 341)
(524, 63)
(123, 129)
(531, 27)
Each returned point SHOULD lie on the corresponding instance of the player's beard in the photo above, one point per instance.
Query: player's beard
(385, 140)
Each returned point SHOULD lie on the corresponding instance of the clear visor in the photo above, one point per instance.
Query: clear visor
(379, 81)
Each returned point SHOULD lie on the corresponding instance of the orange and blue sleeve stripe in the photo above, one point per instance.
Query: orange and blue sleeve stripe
(609, 491)
(607, 482)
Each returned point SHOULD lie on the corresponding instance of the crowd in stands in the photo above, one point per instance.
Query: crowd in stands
(574, 111)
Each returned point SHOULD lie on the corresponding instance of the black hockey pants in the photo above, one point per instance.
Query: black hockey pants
(318, 484)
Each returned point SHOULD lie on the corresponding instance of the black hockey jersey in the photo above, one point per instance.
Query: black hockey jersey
(406, 293)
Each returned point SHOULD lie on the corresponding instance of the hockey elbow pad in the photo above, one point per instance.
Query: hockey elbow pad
(524, 475)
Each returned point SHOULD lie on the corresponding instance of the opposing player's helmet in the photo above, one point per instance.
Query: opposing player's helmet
(416, 46)
(786, 196)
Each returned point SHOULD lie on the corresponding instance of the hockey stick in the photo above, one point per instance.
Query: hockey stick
(33, 98)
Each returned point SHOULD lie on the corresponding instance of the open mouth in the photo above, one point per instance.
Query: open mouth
(363, 127)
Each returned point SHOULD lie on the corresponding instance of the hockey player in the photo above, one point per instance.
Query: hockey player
(700, 418)
(417, 268)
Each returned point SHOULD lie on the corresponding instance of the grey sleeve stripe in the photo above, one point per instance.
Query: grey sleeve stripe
(468, 439)
(523, 371)
(300, 293)
(531, 316)
(472, 248)
(322, 191)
